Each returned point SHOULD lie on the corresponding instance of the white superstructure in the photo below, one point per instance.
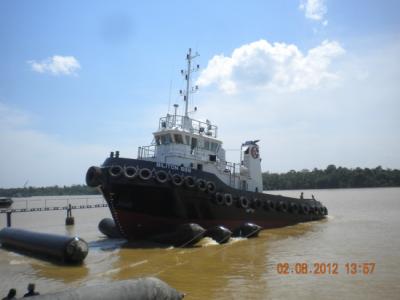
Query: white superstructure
(192, 144)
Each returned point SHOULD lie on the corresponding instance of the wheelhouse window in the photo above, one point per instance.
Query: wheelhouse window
(187, 138)
(178, 138)
(166, 139)
(214, 147)
(158, 140)
(194, 143)
(206, 145)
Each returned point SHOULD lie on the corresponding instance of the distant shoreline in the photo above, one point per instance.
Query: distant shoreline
(331, 178)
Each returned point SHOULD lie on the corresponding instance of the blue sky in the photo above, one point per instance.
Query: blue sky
(316, 81)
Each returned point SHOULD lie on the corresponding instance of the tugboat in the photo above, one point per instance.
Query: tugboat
(184, 178)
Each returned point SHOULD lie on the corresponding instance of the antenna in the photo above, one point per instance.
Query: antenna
(169, 96)
(176, 108)
(187, 74)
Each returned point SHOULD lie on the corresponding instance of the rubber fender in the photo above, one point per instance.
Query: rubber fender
(145, 174)
(220, 234)
(161, 176)
(115, 171)
(65, 248)
(94, 177)
(130, 172)
(148, 288)
(247, 230)
(177, 180)
(108, 228)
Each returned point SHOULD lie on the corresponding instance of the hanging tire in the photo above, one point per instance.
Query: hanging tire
(115, 171)
(177, 180)
(201, 185)
(228, 199)
(255, 203)
(282, 205)
(294, 208)
(325, 211)
(219, 198)
(244, 202)
(269, 205)
(161, 176)
(211, 188)
(190, 182)
(145, 174)
(305, 209)
(321, 210)
(94, 177)
(130, 172)
(313, 210)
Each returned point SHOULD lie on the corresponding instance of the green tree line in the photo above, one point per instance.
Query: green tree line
(332, 177)
(48, 191)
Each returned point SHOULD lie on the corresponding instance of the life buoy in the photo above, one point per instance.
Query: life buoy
(201, 185)
(190, 182)
(228, 199)
(161, 176)
(219, 198)
(282, 206)
(145, 174)
(115, 171)
(244, 202)
(255, 152)
(294, 208)
(130, 172)
(177, 180)
(211, 188)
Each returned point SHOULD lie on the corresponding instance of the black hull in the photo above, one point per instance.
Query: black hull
(146, 205)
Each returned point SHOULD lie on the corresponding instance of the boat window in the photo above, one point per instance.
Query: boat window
(166, 139)
(178, 138)
(158, 141)
(194, 143)
(206, 145)
(187, 139)
(214, 147)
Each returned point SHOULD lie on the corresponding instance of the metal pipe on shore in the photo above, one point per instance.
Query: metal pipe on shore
(64, 248)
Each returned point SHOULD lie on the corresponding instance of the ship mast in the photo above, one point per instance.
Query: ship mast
(187, 74)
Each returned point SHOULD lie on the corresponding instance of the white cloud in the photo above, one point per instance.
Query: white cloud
(56, 65)
(278, 66)
(354, 123)
(314, 10)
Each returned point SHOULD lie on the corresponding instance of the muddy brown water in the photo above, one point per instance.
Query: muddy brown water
(361, 232)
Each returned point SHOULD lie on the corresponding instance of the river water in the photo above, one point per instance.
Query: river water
(305, 261)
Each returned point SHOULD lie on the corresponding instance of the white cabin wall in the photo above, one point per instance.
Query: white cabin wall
(253, 165)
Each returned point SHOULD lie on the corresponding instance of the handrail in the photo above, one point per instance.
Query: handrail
(185, 123)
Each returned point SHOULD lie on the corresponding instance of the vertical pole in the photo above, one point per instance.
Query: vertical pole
(9, 219)
(189, 58)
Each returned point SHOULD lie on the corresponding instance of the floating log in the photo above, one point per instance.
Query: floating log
(148, 288)
(108, 228)
(64, 248)
(220, 234)
(247, 230)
